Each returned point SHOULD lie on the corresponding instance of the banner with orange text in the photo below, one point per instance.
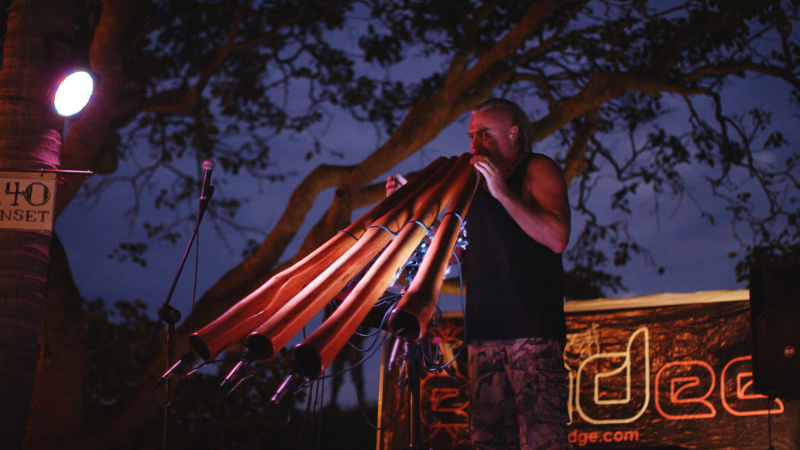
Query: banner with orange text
(665, 370)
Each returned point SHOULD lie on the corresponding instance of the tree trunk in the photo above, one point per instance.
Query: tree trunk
(58, 409)
(30, 140)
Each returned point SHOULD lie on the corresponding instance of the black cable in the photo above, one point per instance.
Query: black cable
(373, 348)
(352, 366)
(303, 423)
(394, 417)
(321, 396)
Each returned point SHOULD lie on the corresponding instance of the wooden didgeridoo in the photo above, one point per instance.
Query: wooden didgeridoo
(314, 354)
(264, 342)
(410, 318)
(250, 312)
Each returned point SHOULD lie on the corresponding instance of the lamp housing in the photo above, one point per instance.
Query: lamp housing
(72, 91)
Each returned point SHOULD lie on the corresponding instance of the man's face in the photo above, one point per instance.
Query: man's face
(490, 133)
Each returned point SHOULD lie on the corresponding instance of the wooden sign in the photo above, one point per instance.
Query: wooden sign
(27, 201)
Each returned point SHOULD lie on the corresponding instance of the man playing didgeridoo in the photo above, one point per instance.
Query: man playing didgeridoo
(517, 227)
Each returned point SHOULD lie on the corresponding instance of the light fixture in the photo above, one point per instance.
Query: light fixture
(73, 93)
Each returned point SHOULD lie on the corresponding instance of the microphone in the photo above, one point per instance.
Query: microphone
(398, 350)
(290, 384)
(229, 383)
(186, 360)
(207, 190)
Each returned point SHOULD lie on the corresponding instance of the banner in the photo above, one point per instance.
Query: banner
(666, 370)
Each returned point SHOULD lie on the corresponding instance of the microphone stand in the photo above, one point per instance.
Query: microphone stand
(413, 365)
(414, 394)
(169, 315)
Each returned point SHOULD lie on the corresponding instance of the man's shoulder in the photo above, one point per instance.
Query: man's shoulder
(541, 158)
(539, 163)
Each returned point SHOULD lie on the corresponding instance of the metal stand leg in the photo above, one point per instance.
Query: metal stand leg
(413, 361)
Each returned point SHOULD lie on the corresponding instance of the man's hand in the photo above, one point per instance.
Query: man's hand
(393, 183)
(491, 174)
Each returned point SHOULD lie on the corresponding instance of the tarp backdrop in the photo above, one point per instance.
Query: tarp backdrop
(661, 370)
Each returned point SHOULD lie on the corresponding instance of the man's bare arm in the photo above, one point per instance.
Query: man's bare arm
(542, 211)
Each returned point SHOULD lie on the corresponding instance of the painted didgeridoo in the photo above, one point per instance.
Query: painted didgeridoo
(277, 330)
(314, 354)
(410, 318)
(250, 312)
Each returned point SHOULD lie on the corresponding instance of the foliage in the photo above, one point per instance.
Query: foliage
(209, 79)
(582, 42)
(117, 346)
(222, 79)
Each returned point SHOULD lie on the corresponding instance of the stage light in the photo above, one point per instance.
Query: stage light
(73, 93)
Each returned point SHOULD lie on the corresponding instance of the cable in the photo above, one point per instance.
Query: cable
(349, 234)
(382, 227)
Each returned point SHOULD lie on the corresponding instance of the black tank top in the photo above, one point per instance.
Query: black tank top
(515, 285)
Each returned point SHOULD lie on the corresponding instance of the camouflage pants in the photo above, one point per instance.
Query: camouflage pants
(518, 394)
